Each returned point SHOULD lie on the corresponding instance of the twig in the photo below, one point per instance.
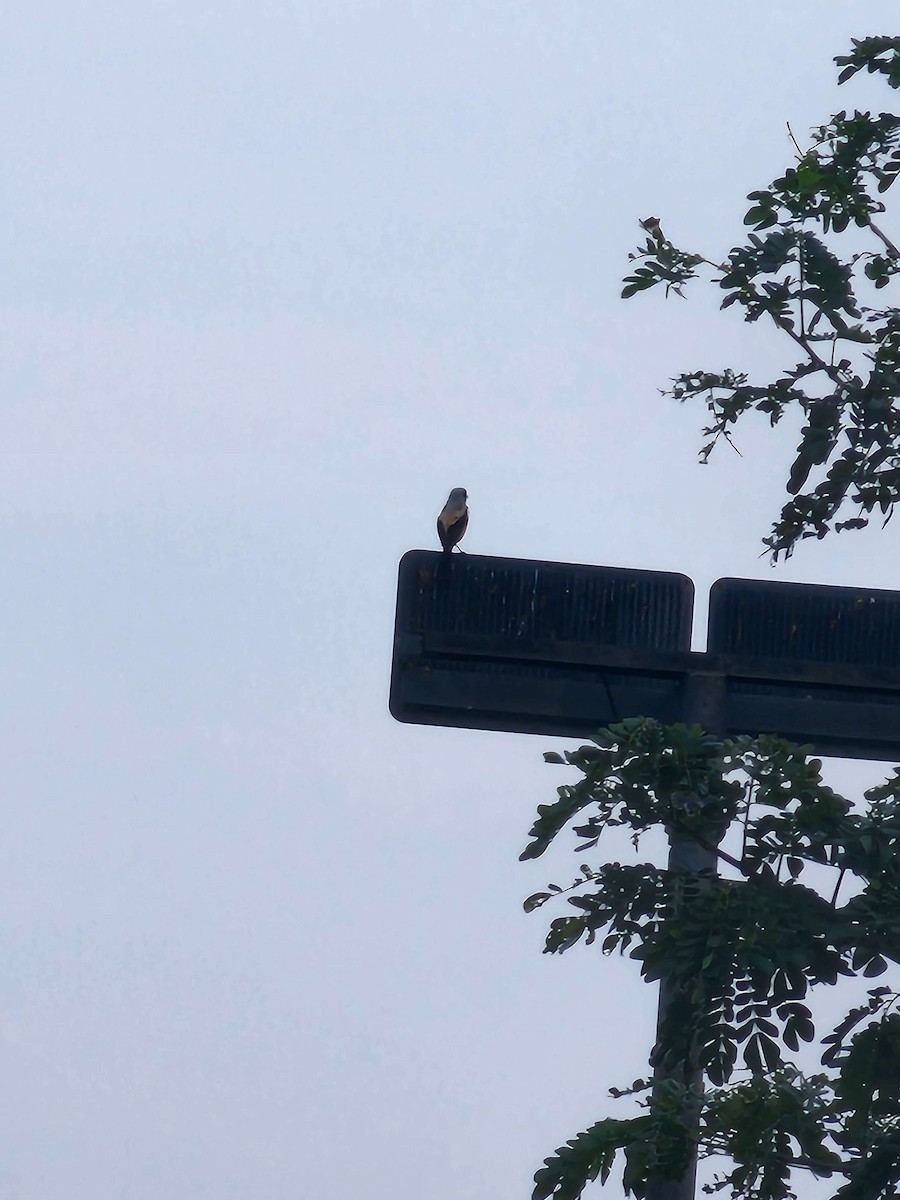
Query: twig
(750, 789)
(832, 372)
(720, 853)
(892, 249)
(801, 258)
(794, 140)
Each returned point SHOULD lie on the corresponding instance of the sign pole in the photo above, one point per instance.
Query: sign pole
(703, 700)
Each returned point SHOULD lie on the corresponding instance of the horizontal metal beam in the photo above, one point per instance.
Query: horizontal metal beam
(670, 662)
(838, 711)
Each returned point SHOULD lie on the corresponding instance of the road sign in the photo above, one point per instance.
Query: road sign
(809, 662)
(535, 647)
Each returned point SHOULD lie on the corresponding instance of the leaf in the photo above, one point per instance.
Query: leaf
(876, 966)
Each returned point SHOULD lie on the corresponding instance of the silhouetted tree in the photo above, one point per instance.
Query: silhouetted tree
(742, 951)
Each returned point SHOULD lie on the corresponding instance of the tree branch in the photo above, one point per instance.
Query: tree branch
(891, 248)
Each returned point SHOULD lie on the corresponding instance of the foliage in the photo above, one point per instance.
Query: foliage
(740, 957)
(741, 940)
(847, 380)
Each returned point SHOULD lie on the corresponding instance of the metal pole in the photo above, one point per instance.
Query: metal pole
(703, 705)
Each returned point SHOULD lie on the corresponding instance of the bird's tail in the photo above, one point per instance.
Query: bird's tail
(445, 566)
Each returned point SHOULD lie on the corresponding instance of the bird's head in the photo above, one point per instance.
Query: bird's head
(457, 496)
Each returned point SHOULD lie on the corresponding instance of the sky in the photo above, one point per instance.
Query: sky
(274, 279)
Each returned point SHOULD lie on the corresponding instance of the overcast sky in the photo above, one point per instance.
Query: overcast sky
(276, 277)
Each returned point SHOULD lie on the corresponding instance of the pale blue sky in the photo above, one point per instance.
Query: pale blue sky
(275, 278)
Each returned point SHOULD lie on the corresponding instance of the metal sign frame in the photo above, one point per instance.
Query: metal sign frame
(563, 649)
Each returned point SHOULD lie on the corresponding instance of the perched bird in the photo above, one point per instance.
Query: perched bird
(454, 518)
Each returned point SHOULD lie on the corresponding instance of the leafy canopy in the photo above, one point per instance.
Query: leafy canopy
(847, 379)
(741, 952)
(740, 957)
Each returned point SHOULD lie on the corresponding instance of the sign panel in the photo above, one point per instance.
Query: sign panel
(859, 627)
(536, 647)
(812, 663)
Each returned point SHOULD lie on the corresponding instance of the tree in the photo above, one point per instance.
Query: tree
(848, 376)
(741, 952)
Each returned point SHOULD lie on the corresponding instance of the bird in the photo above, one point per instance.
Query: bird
(454, 518)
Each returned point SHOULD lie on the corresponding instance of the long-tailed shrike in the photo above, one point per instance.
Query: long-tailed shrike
(454, 518)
